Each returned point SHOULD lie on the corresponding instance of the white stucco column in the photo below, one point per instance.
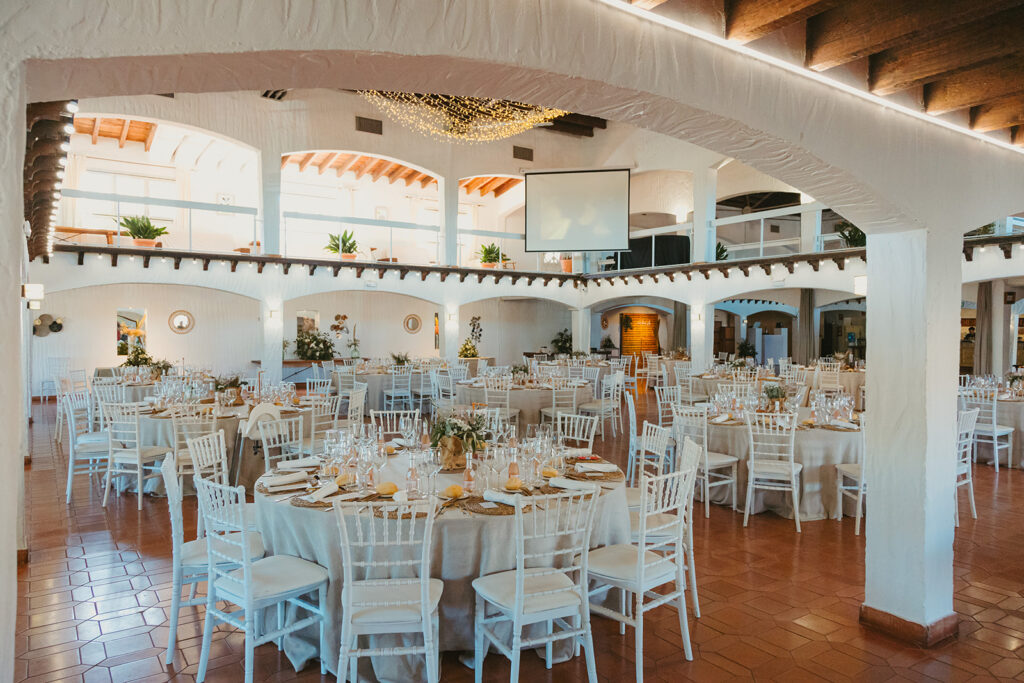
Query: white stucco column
(448, 193)
(702, 335)
(272, 318)
(1000, 327)
(450, 341)
(810, 228)
(705, 186)
(912, 357)
(270, 201)
(12, 414)
(581, 329)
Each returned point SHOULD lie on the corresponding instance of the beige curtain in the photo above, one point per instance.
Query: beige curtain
(805, 342)
(983, 330)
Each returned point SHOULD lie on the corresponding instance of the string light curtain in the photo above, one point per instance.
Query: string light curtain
(460, 119)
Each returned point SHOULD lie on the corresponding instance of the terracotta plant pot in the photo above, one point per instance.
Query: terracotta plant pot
(348, 257)
(144, 243)
(567, 265)
(488, 265)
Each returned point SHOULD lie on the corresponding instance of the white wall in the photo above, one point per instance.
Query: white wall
(225, 336)
(511, 326)
(378, 318)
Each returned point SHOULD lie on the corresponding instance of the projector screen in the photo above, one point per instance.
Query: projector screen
(577, 211)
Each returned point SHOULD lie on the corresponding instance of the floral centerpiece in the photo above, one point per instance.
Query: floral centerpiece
(399, 359)
(137, 358)
(476, 333)
(776, 395)
(455, 436)
(314, 345)
(520, 373)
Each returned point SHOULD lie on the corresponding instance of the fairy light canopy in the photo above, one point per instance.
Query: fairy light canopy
(453, 118)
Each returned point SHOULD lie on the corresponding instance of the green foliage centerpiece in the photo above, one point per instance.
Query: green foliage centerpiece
(455, 437)
(314, 345)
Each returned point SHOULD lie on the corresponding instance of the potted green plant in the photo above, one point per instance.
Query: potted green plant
(851, 235)
(141, 230)
(562, 343)
(566, 261)
(606, 343)
(490, 255)
(746, 350)
(721, 252)
(343, 244)
(314, 345)
(399, 358)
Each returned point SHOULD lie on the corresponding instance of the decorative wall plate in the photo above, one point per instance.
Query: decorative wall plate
(412, 323)
(181, 322)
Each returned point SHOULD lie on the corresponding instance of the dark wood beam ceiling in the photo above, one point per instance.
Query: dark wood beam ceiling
(747, 20)
(1000, 114)
(976, 86)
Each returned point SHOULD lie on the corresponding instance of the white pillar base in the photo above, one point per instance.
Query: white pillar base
(702, 336)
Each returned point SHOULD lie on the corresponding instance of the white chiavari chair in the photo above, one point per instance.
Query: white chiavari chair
(967, 422)
(87, 450)
(629, 380)
(851, 481)
(987, 430)
(579, 430)
(667, 396)
(106, 392)
(187, 426)
(548, 587)
(481, 366)
(189, 561)
(278, 581)
(443, 402)
(771, 463)
(633, 452)
(386, 556)
(660, 555)
(389, 421)
(356, 408)
(422, 388)
(281, 440)
(399, 392)
(609, 406)
(651, 457)
(319, 387)
(127, 457)
(591, 374)
(563, 400)
(458, 373)
(323, 416)
(497, 392)
(714, 469)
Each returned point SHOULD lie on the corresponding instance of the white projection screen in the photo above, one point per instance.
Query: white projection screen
(577, 210)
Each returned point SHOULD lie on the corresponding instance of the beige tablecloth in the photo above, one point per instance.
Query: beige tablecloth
(819, 450)
(850, 381)
(377, 382)
(465, 547)
(1009, 413)
(527, 401)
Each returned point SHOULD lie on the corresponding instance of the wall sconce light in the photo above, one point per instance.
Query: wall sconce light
(451, 317)
(34, 305)
(273, 313)
(32, 291)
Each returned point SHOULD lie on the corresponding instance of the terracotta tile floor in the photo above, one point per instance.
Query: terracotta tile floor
(776, 606)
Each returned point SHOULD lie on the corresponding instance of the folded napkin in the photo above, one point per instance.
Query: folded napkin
(401, 496)
(844, 424)
(282, 479)
(596, 467)
(500, 497)
(301, 463)
(563, 483)
(327, 489)
(576, 452)
(722, 418)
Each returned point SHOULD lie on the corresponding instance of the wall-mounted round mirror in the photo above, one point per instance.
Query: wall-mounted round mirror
(181, 322)
(412, 323)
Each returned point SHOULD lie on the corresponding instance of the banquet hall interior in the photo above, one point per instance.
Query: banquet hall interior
(558, 340)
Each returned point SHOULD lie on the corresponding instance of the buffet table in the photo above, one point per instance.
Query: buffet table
(466, 546)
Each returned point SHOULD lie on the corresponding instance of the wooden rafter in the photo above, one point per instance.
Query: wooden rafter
(646, 4)
(747, 20)
(999, 114)
(474, 183)
(326, 163)
(506, 186)
(123, 137)
(1002, 78)
(344, 166)
(427, 180)
(285, 160)
(947, 53)
(490, 185)
(371, 165)
(412, 178)
(383, 169)
(852, 30)
(150, 136)
(401, 175)
(96, 130)
(305, 161)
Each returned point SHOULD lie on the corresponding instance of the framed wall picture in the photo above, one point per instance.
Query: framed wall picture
(181, 322)
(1009, 298)
(412, 323)
(307, 321)
(131, 330)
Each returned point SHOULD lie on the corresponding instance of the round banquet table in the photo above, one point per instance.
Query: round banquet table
(817, 448)
(465, 546)
(137, 393)
(527, 401)
(850, 381)
(1009, 413)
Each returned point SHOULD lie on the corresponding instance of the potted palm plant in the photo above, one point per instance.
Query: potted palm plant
(490, 255)
(343, 244)
(141, 230)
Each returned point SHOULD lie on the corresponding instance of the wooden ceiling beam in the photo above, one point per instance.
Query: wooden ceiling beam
(362, 166)
(403, 172)
(427, 180)
(96, 130)
(344, 166)
(646, 4)
(285, 159)
(124, 133)
(476, 182)
(326, 163)
(506, 186)
(999, 114)
(385, 169)
(370, 167)
(977, 86)
(491, 184)
(413, 177)
(1017, 135)
(306, 160)
(945, 54)
(852, 30)
(747, 20)
(150, 136)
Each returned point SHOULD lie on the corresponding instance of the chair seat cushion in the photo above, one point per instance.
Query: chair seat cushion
(148, 453)
(595, 406)
(619, 562)
(102, 437)
(275, 575)
(988, 430)
(716, 460)
(774, 469)
(500, 589)
(394, 593)
(850, 469)
(193, 553)
(654, 521)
